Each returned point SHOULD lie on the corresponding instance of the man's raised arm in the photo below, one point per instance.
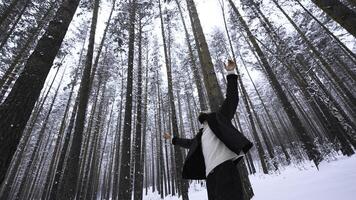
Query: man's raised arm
(185, 143)
(231, 101)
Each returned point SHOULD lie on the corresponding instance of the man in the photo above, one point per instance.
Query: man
(218, 147)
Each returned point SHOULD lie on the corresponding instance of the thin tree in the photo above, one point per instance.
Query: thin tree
(195, 69)
(297, 124)
(182, 184)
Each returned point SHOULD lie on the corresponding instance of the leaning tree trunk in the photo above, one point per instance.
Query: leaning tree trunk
(347, 51)
(352, 2)
(8, 11)
(297, 124)
(302, 83)
(195, 69)
(215, 95)
(71, 172)
(9, 32)
(102, 43)
(269, 28)
(17, 108)
(340, 13)
(36, 149)
(339, 84)
(14, 68)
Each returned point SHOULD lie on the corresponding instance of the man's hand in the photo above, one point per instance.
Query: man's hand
(230, 65)
(167, 136)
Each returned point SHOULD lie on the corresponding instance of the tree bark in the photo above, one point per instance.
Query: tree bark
(8, 11)
(215, 95)
(118, 143)
(138, 162)
(348, 52)
(18, 106)
(125, 178)
(340, 13)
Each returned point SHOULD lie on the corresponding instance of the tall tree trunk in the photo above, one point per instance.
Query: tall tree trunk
(36, 149)
(153, 178)
(89, 187)
(215, 95)
(125, 178)
(18, 106)
(71, 172)
(59, 169)
(340, 13)
(102, 44)
(138, 162)
(118, 134)
(160, 158)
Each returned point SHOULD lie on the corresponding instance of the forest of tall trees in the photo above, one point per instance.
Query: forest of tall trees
(88, 88)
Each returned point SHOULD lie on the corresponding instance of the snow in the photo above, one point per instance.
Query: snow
(334, 180)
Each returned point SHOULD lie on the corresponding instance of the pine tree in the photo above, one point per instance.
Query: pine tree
(17, 108)
(312, 152)
(125, 178)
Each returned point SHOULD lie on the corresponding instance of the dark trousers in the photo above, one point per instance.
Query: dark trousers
(224, 182)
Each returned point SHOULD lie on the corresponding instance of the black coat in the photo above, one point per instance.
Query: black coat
(220, 124)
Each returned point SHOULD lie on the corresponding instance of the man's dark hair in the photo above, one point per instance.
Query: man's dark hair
(203, 117)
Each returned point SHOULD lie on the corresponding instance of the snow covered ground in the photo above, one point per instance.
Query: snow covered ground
(334, 180)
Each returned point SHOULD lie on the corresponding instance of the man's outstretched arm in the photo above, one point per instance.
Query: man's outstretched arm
(185, 143)
(231, 101)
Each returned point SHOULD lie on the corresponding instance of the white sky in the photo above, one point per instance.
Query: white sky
(210, 14)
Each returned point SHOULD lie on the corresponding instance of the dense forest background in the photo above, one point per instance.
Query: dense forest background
(88, 88)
